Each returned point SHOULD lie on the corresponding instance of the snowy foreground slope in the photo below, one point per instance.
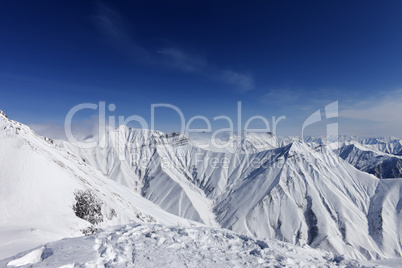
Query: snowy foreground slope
(38, 186)
(297, 192)
(150, 245)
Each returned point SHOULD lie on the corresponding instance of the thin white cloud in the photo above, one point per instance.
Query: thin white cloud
(198, 65)
(243, 81)
(183, 61)
(385, 109)
(114, 27)
(380, 115)
(371, 115)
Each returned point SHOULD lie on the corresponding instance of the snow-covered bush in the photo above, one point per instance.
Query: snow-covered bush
(90, 230)
(88, 206)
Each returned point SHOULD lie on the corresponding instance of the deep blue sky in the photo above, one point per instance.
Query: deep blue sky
(277, 57)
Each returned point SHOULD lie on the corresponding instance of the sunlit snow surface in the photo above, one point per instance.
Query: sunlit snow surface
(150, 245)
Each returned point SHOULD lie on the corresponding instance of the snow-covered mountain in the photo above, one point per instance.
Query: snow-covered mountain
(289, 190)
(389, 145)
(263, 186)
(44, 189)
(380, 164)
(381, 157)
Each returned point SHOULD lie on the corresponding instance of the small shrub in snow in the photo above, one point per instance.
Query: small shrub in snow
(112, 213)
(88, 206)
(90, 230)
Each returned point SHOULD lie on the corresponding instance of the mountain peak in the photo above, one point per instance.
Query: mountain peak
(3, 114)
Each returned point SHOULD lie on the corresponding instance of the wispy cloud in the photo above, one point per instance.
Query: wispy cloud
(372, 115)
(380, 115)
(183, 61)
(244, 81)
(385, 108)
(197, 64)
(112, 25)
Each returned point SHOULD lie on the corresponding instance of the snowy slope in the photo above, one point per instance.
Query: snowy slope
(144, 245)
(385, 214)
(304, 195)
(299, 193)
(38, 185)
